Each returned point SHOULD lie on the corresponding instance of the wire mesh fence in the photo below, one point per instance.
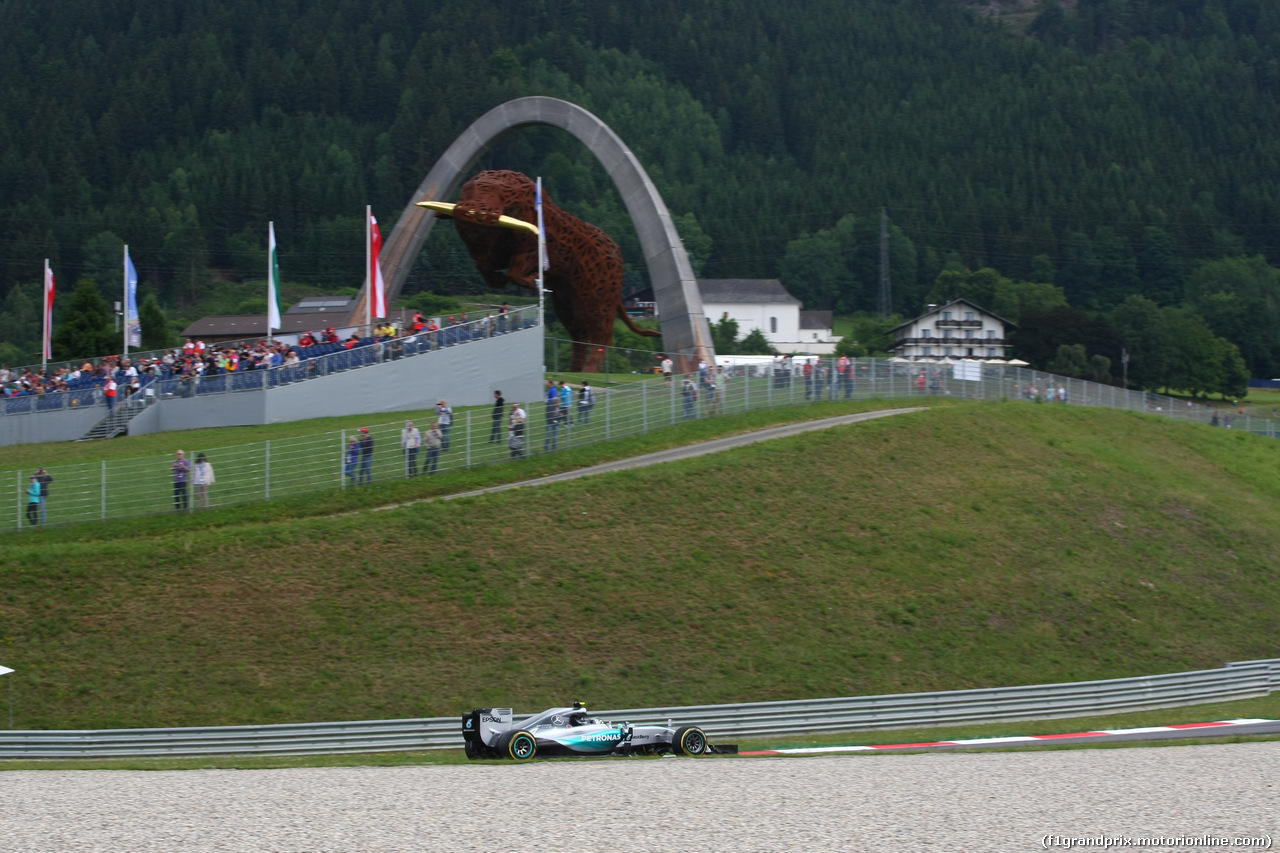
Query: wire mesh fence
(306, 464)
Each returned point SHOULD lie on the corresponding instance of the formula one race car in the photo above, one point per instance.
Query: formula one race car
(491, 733)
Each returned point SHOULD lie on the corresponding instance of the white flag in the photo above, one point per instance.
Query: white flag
(273, 281)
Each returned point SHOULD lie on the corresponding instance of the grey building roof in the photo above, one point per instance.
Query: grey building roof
(255, 325)
(764, 290)
(323, 305)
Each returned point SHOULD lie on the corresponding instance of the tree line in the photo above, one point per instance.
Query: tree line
(1121, 148)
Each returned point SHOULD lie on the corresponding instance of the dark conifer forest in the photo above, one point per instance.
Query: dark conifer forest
(1103, 172)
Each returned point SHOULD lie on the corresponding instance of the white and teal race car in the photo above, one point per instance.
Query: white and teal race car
(493, 733)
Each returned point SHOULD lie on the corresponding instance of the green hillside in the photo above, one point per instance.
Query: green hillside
(963, 546)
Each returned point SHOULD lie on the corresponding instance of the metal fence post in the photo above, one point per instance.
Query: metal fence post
(469, 438)
(268, 469)
(342, 459)
(104, 490)
(671, 397)
(644, 406)
(608, 399)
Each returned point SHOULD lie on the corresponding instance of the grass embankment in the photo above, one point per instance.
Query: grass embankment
(964, 546)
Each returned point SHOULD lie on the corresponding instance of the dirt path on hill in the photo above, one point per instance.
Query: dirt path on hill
(673, 454)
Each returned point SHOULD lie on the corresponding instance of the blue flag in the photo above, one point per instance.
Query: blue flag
(132, 324)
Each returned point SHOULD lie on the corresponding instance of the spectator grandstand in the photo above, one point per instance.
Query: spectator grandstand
(197, 368)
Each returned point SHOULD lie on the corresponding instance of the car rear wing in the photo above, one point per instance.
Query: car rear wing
(485, 724)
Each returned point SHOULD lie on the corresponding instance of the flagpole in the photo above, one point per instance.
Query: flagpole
(368, 266)
(271, 283)
(124, 263)
(542, 254)
(46, 320)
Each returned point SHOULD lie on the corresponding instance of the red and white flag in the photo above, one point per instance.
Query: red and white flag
(49, 291)
(377, 287)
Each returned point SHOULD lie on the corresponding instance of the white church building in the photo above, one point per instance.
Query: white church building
(764, 304)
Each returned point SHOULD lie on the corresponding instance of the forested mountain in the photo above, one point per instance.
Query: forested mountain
(1110, 149)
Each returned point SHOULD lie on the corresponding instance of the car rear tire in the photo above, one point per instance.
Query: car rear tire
(517, 745)
(689, 740)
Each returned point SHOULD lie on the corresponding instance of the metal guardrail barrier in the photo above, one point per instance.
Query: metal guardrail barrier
(1239, 680)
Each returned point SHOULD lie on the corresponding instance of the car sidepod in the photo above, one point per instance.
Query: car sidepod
(585, 740)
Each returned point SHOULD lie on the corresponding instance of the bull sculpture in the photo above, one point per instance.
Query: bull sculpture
(496, 218)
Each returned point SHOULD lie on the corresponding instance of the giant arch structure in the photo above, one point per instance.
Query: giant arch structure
(685, 333)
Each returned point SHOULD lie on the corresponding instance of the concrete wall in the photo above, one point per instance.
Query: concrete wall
(244, 408)
(465, 375)
(61, 425)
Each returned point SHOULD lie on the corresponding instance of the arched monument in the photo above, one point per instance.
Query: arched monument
(685, 333)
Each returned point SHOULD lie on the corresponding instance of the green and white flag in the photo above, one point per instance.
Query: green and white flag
(273, 281)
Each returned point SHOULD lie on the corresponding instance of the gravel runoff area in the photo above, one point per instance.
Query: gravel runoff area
(934, 802)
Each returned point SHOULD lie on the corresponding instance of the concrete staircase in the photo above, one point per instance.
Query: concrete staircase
(117, 422)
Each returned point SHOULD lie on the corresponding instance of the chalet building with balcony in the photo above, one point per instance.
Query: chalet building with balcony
(951, 332)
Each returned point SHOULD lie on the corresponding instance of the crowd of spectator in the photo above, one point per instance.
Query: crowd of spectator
(120, 376)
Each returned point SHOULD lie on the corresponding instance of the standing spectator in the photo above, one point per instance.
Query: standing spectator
(202, 479)
(586, 402)
(366, 456)
(45, 479)
(410, 441)
(566, 403)
(444, 413)
(711, 399)
(552, 438)
(515, 440)
(689, 392)
(667, 367)
(181, 472)
(808, 379)
(109, 391)
(499, 407)
(350, 460)
(33, 502)
(433, 440)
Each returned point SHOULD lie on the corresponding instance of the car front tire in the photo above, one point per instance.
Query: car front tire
(689, 740)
